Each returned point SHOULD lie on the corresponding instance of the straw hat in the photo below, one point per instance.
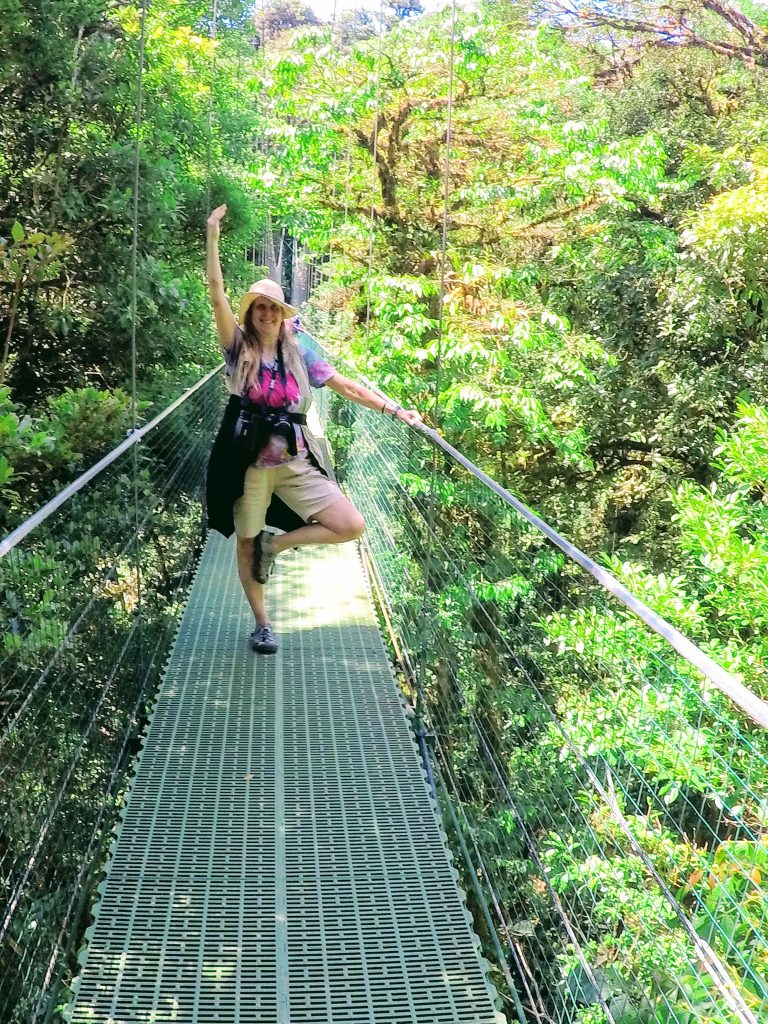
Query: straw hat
(266, 289)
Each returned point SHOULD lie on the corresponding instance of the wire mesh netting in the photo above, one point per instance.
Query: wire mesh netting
(608, 803)
(90, 602)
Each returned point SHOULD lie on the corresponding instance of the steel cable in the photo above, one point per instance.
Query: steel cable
(375, 152)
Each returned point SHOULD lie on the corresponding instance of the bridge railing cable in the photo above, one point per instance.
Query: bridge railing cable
(80, 655)
(600, 772)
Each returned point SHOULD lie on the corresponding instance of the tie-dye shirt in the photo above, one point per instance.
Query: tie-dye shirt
(270, 391)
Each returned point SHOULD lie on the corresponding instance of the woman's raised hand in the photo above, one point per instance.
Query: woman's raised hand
(225, 321)
(217, 216)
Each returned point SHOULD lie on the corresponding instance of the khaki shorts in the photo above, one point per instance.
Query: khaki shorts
(302, 487)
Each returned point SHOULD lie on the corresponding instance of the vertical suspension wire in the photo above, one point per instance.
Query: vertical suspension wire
(212, 35)
(347, 176)
(344, 219)
(446, 200)
(348, 157)
(267, 233)
(134, 295)
(136, 179)
(431, 509)
(280, 256)
(271, 260)
(335, 164)
(376, 112)
(339, 223)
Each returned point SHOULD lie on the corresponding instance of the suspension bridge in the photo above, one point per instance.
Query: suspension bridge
(395, 820)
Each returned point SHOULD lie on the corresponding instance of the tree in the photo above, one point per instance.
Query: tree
(67, 132)
(282, 16)
(356, 25)
(713, 25)
(405, 8)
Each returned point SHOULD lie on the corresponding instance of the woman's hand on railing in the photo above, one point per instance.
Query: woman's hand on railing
(410, 416)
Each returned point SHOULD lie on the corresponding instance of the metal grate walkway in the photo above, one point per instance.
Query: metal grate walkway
(280, 858)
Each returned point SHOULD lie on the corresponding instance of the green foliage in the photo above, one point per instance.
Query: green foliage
(603, 312)
(31, 258)
(22, 443)
(39, 454)
(580, 273)
(722, 531)
(720, 601)
(719, 598)
(87, 422)
(68, 137)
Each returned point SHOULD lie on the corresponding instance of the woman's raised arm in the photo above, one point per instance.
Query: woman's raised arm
(225, 321)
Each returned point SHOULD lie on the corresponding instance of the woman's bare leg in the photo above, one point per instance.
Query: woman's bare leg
(336, 524)
(253, 591)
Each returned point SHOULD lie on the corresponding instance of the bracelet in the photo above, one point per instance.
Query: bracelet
(383, 408)
(395, 411)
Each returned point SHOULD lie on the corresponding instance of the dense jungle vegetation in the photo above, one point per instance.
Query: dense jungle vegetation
(601, 351)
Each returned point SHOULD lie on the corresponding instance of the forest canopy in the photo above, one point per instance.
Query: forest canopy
(593, 334)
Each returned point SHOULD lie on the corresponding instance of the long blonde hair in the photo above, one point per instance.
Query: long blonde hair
(249, 359)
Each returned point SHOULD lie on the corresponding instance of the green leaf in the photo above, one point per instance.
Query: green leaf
(6, 471)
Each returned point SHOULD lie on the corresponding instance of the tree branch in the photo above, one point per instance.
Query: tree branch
(673, 28)
(586, 207)
(642, 447)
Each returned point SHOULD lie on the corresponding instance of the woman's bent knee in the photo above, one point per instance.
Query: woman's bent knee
(351, 526)
(343, 519)
(357, 526)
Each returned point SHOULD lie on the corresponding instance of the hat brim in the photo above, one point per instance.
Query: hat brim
(250, 298)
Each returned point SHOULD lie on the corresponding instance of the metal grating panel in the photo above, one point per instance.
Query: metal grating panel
(280, 859)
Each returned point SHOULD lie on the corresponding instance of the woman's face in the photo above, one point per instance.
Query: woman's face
(266, 317)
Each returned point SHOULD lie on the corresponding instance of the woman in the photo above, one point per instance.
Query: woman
(266, 467)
